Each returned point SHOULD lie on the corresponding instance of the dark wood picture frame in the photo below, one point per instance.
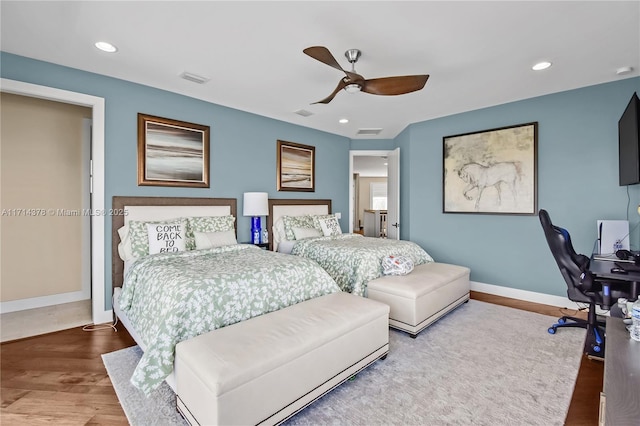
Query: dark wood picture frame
(491, 172)
(296, 167)
(172, 152)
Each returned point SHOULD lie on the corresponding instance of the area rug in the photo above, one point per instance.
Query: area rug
(482, 364)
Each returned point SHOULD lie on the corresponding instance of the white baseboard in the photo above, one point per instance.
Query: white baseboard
(529, 296)
(99, 315)
(44, 301)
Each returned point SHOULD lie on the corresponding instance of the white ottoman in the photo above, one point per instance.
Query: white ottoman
(418, 299)
(265, 369)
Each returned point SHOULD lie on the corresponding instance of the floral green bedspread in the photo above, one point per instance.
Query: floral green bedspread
(173, 297)
(353, 260)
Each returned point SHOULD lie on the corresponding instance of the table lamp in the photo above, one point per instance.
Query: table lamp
(256, 204)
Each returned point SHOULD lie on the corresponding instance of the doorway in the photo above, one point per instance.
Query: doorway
(374, 193)
(99, 313)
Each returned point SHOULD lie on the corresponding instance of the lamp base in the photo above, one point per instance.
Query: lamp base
(255, 230)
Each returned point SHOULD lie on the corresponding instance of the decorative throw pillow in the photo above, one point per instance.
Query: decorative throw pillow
(397, 265)
(166, 237)
(330, 226)
(301, 233)
(291, 222)
(206, 240)
(139, 236)
(208, 224)
(317, 218)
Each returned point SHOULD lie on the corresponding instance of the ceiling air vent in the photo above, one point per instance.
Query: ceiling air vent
(369, 132)
(194, 78)
(303, 112)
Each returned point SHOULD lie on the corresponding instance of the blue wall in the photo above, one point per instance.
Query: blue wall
(243, 145)
(577, 168)
(577, 184)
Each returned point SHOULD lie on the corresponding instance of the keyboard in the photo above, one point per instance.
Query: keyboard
(610, 257)
(629, 267)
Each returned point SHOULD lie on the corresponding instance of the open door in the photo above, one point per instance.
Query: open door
(393, 194)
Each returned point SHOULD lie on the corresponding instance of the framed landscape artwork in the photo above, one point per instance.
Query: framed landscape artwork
(172, 153)
(491, 172)
(296, 167)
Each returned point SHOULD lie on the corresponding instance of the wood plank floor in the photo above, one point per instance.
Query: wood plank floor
(59, 378)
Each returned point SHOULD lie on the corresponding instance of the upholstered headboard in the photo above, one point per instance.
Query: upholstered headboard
(289, 207)
(159, 208)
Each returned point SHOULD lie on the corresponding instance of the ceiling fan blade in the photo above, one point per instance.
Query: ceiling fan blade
(322, 54)
(341, 85)
(394, 85)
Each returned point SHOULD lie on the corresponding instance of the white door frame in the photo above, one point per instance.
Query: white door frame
(393, 189)
(360, 153)
(98, 312)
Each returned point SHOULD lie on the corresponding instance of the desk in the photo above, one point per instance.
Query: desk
(602, 269)
(621, 377)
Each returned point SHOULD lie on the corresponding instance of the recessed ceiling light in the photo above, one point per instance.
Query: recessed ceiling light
(624, 70)
(343, 121)
(541, 66)
(106, 47)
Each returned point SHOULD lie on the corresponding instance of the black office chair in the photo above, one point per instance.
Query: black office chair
(581, 286)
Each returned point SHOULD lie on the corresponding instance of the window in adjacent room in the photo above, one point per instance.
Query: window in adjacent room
(378, 195)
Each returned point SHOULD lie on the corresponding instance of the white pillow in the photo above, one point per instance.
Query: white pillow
(124, 246)
(166, 237)
(205, 240)
(301, 233)
(279, 233)
(330, 226)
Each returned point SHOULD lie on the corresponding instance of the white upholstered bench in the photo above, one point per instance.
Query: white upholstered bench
(418, 299)
(265, 369)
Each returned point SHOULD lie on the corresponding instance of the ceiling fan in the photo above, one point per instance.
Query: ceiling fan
(354, 82)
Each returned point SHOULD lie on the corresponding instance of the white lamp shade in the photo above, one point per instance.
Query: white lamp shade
(255, 204)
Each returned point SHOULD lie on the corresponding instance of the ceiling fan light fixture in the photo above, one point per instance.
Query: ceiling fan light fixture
(352, 88)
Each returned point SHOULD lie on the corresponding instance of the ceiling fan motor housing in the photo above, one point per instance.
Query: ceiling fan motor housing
(352, 55)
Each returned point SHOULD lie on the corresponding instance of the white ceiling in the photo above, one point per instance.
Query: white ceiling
(370, 165)
(477, 53)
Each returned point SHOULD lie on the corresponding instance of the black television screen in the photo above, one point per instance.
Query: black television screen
(629, 143)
